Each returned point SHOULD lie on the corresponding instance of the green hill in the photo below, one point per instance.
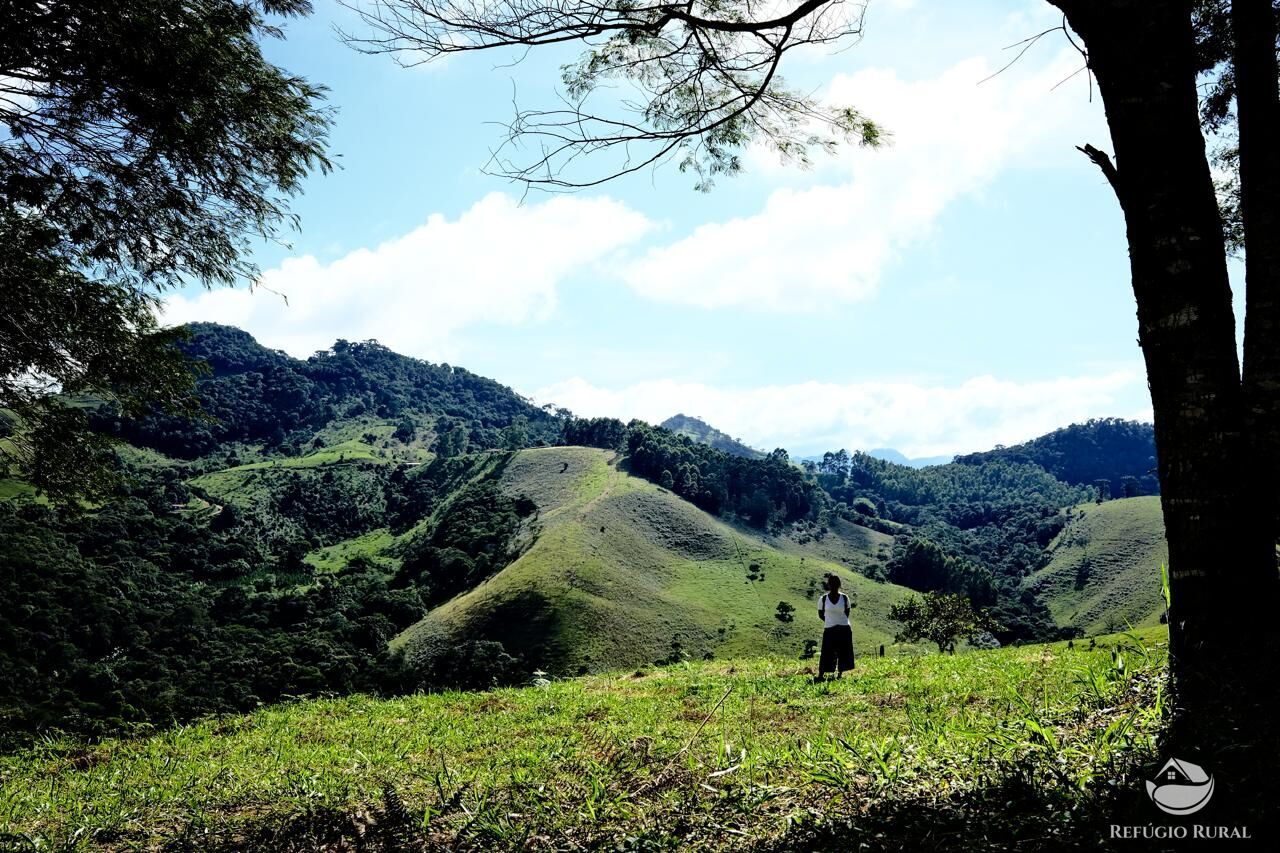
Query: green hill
(359, 498)
(704, 433)
(621, 568)
(267, 401)
(1020, 748)
(1104, 570)
(1121, 452)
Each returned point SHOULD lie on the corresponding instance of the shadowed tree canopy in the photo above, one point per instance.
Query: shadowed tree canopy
(703, 78)
(144, 145)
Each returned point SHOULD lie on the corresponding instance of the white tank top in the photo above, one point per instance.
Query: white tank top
(833, 614)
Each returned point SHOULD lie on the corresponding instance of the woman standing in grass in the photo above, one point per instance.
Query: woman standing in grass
(837, 638)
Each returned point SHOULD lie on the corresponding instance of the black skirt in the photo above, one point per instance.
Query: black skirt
(837, 649)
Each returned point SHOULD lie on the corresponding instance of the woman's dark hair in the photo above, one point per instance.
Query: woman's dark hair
(833, 582)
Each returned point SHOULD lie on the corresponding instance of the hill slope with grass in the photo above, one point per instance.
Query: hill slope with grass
(1033, 747)
(1104, 567)
(621, 569)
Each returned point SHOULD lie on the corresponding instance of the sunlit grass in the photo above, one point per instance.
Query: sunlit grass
(371, 546)
(1104, 572)
(616, 550)
(703, 754)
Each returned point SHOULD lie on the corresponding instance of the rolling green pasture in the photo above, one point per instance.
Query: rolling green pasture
(621, 568)
(1104, 572)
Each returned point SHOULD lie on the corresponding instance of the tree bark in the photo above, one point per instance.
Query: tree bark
(1222, 567)
(1258, 123)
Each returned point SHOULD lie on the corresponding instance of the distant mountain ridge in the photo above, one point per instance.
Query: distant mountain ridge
(888, 454)
(704, 433)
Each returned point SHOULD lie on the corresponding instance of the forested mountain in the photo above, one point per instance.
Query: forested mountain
(973, 529)
(257, 395)
(704, 433)
(1119, 453)
(332, 513)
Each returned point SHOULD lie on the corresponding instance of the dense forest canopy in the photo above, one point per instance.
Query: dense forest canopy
(1110, 449)
(257, 395)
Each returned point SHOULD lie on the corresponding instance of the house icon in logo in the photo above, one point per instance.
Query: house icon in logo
(1180, 787)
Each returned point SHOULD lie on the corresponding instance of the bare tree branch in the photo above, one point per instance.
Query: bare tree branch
(703, 76)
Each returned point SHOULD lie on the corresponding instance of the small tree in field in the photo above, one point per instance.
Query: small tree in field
(785, 612)
(1131, 487)
(940, 618)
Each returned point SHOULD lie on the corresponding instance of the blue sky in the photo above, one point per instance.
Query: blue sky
(964, 286)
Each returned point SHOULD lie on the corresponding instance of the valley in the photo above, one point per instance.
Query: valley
(375, 594)
(621, 569)
(376, 523)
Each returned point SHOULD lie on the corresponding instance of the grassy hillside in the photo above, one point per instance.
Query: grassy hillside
(1105, 566)
(852, 545)
(374, 547)
(621, 567)
(1015, 747)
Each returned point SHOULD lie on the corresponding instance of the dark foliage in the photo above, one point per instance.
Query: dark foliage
(145, 146)
(470, 540)
(138, 612)
(921, 564)
(108, 622)
(254, 394)
(1101, 449)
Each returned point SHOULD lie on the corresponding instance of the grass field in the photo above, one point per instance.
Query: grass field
(236, 483)
(372, 546)
(245, 485)
(715, 755)
(621, 567)
(855, 547)
(1105, 569)
(10, 489)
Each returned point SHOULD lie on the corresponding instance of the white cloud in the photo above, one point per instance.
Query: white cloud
(918, 419)
(498, 263)
(951, 136)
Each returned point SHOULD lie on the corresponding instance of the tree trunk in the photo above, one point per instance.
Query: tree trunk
(1258, 122)
(1221, 560)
